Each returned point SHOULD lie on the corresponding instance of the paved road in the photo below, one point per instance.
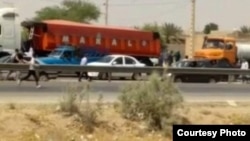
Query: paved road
(54, 90)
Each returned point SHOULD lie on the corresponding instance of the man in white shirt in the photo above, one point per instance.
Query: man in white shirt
(31, 72)
(30, 52)
(83, 63)
(244, 66)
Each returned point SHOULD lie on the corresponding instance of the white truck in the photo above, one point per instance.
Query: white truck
(10, 30)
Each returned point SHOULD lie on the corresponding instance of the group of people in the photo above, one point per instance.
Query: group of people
(169, 57)
(18, 58)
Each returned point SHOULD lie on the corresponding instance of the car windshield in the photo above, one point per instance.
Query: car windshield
(4, 59)
(55, 53)
(214, 44)
(105, 59)
(37, 62)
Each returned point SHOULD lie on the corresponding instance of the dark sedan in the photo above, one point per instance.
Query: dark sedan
(199, 63)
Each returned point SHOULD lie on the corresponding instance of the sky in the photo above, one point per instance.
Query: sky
(228, 14)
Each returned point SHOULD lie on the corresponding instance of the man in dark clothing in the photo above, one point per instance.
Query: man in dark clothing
(177, 56)
(170, 58)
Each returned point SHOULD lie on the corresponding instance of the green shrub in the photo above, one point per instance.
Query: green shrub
(156, 101)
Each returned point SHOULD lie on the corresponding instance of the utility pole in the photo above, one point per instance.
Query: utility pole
(192, 27)
(106, 11)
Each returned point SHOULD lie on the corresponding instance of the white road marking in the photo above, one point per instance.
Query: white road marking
(224, 83)
(232, 103)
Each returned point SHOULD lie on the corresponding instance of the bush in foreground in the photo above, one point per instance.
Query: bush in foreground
(157, 101)
(77, 102)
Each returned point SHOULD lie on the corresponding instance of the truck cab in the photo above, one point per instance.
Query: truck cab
(68, 55)
(62, 56)
(218, 48)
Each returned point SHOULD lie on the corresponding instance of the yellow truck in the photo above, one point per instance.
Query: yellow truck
(223, 48)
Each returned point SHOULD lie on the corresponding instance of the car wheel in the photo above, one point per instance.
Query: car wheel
(44, 77)
(136, 76)
(103, 76)
(212, 80)
(178, 80)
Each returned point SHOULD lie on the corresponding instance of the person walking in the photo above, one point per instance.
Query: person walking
(84, 61)
(31, 72)
(170, 58)
(177, 56)
(16, 57)
(244, 66)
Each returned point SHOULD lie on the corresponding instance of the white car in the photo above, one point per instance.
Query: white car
(118, 61)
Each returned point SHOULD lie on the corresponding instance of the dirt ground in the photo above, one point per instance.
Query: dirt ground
(45, 123)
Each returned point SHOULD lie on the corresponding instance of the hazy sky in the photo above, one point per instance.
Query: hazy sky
(229, 14)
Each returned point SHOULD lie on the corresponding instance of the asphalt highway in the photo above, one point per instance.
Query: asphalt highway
(52, 91)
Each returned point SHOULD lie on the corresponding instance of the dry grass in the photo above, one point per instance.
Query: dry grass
(43, 123)
(76, 103)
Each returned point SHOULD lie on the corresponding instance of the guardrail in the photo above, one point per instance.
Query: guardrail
(109, 69)
(75, 68)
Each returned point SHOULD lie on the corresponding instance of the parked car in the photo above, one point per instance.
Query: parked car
(116, 60)
(43, 76)
(199, 63)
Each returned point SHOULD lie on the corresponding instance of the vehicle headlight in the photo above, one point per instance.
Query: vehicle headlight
(169, 74)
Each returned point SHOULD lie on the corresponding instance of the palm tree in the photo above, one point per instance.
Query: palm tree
(245, 29)
(171, 31)
(210, 27)
(154, 27)
(167, 31)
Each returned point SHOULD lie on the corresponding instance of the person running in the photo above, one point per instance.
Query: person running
(16, 57)
(31, 72)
